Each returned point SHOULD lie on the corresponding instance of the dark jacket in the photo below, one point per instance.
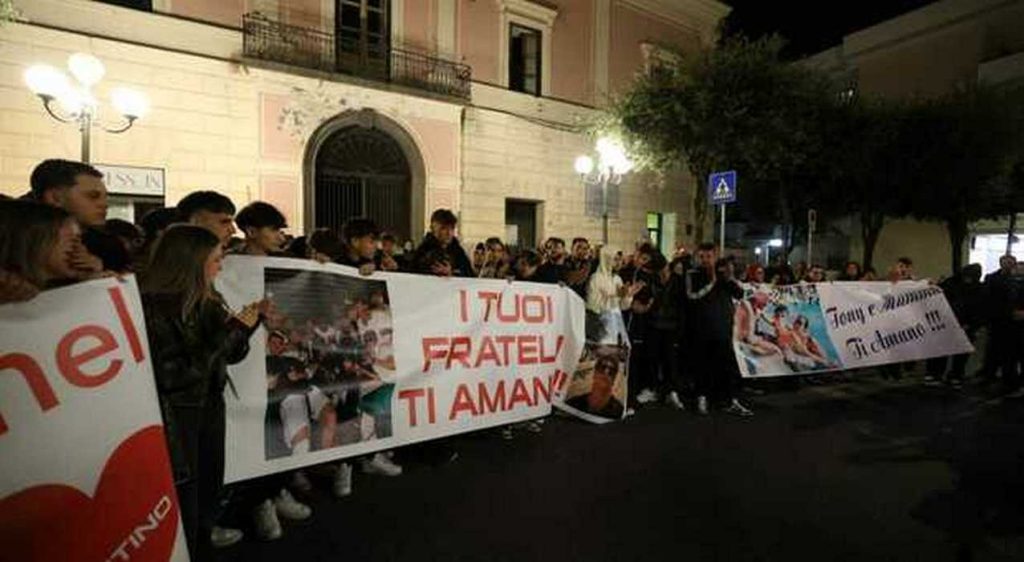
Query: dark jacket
(967, 299)
(190, 358)
(583, 269)
(710, 311)
(346, 259)
(1000, 297)
(461, 266)
(108, 248)
(552, 273)
(669, 303)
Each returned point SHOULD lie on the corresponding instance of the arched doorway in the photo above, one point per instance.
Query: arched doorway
(362, 164)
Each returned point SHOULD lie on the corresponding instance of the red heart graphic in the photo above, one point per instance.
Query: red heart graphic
(133, 516)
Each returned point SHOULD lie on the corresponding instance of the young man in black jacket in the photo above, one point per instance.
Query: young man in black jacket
(360, 251)
(966, 297)
(359, 245)
(1000, 289)
(665, 334)
(78, 188)
(442, 237)
(710, 290)
(554, 269)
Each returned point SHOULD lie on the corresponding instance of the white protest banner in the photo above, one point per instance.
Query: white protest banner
(819, 327)
(347, 364)
(84, 470)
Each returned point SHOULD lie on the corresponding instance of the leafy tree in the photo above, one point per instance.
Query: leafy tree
(972, 140)
(737, 106)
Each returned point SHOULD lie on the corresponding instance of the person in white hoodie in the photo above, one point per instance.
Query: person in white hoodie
(608, 296)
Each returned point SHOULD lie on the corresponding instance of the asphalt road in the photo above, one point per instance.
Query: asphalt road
(861, 470)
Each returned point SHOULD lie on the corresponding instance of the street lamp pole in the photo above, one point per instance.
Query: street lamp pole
(77, 104)
(611, 168)
(604, 209)
(85, 127)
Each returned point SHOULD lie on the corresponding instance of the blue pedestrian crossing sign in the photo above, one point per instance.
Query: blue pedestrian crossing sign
(722, 188)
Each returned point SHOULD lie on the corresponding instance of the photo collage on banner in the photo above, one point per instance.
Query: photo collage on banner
(813, 328)
(330, 369)
(782, 330)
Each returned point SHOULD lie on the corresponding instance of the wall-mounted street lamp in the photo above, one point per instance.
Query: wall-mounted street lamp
(70, 102)
(611, 167)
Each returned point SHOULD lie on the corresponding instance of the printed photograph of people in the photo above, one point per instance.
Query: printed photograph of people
(598, 386)
(330, 361)
(781, 331)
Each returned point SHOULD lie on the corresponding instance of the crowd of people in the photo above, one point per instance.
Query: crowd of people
(676, 314)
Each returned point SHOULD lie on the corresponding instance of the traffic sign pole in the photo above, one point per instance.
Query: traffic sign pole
(812, 224)
(721, 192)
(721, 239)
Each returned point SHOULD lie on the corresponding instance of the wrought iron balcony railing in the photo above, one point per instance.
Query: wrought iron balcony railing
(269, 40)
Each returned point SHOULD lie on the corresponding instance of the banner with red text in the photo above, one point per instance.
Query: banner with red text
(819, 327)
(84, 470)
(347, 364)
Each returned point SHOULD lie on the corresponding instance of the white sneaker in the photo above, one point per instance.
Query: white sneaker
(646, 396)
(222, 537)
(291, 509)
(343, 480)
(630, 412)
(381, 465)
(268, 527)
(506, 433)
(534, 427)
(673, 400)
(738, 409)
(702, 405)
(300, 482)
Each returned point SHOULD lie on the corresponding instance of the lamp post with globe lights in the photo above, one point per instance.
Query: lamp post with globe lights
(73, 102)
(611, 167)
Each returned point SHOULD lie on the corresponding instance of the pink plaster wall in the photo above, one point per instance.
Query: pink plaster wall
(440, 144)
(629, 29)
(478, 38)
(283, 193)
(275, 143)
(304, 13)
(572, 52)
(420, 25)
(223, 12)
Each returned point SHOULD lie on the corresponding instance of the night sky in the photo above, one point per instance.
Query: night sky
(811, 27)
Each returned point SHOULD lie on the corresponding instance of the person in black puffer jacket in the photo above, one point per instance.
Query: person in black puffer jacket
(441, 238)
(193, 337)
(710, 290)
(966, 297)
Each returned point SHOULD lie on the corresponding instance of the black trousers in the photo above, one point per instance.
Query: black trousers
(936, 366)
(201, 433)
(1000, 353)
(715, 372)
(663, 356)
(640, 371)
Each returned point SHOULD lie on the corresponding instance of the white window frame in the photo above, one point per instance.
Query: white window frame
(535, 16)
(654, 54)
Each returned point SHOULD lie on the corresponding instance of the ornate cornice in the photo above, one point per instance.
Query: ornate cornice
(537, 11)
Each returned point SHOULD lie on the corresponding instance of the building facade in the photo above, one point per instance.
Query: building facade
(384, 108)
(929, 52)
